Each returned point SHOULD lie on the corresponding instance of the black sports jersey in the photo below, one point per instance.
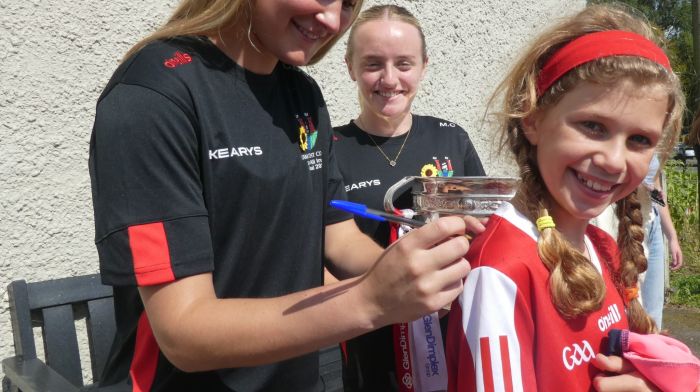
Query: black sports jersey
(434, 148)
(197, 166)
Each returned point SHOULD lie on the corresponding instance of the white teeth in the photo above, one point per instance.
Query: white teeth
(594, 185)
(388, 94)
(308, 33)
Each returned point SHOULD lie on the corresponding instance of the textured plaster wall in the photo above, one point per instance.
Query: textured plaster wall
(56, 56)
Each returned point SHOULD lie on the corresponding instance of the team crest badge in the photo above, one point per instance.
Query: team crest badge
(438, 169)
(307, 132)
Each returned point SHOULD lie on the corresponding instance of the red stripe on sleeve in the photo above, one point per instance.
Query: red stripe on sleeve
(505, 363)
(151, 255)
(486, 368)
(145, 361)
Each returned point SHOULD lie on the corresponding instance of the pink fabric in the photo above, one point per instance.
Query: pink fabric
(664, 361)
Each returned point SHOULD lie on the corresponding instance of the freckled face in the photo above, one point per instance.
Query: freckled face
(294, 30)
(388, 66)
(595, 145)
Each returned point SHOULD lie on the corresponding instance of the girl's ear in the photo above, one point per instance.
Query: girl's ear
(529, 124)
(425, 68)
(348, 63)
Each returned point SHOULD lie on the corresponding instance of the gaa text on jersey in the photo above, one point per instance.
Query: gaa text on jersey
(223, 153)
(576, 354)
(362, 185)
(447, 124)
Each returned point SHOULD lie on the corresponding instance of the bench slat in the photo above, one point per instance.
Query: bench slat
(101, 330)
(61, 343)
(66, 291)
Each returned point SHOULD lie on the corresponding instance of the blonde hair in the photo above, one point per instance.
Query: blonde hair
(576, 287)
(204, 17)
(385, 12)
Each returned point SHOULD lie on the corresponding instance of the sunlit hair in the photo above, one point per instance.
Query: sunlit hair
(385, 12)
(576, 286)
(209, 17)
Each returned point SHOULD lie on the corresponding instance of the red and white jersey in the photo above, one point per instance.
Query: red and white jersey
(504, 332)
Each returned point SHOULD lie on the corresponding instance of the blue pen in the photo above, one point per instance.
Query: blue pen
(362, 210)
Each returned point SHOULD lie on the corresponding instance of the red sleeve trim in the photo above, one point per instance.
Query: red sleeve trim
(487, 369)
(151, 254)
(505, 362)
(145, 361)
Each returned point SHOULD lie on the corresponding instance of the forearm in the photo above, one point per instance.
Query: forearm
(667, 224)
(215, 333)
(350, 251)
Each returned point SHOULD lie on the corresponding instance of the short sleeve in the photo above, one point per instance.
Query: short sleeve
(151, 223)
(472, 162)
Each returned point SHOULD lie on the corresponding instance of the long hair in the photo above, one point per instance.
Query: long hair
(205, 17)
(576, 287)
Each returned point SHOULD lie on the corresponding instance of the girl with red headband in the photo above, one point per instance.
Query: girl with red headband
(584, 110)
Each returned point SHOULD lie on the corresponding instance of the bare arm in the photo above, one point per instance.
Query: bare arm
(198, 331)
(350, 251)
(669, 231)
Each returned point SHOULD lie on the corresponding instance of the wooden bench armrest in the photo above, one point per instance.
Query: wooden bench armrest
(33, 375)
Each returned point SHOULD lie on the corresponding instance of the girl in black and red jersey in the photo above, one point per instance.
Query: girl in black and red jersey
(212, 166)
(584, 110)
(387, 58)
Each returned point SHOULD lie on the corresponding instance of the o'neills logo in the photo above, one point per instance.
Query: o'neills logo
(613, 316)
(178, 60)
(430, 342)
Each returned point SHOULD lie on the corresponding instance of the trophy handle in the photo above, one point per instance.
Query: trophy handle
(389, 195)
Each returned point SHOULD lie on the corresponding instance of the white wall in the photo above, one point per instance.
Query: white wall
(57, 55)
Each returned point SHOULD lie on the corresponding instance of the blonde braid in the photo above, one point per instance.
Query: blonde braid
(632, 261)
(575, 285)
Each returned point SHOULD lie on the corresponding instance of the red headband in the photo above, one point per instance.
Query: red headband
(597, 45)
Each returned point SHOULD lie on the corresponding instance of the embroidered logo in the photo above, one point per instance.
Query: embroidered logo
(576, 355)
(613, 316)
(439, 169)
(178, 60)
(307, 132)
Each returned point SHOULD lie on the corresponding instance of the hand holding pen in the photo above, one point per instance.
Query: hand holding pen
(421, 273)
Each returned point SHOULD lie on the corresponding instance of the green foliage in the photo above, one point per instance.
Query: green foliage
(685, 290)
(681, 187)
(674, 19)
(682, 193)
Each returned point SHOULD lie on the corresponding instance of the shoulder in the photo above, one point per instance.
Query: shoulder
(168, 67)
(346, 130)
(509, 243)
(431, 122)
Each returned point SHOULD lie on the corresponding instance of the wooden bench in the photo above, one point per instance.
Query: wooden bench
(54, 306)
